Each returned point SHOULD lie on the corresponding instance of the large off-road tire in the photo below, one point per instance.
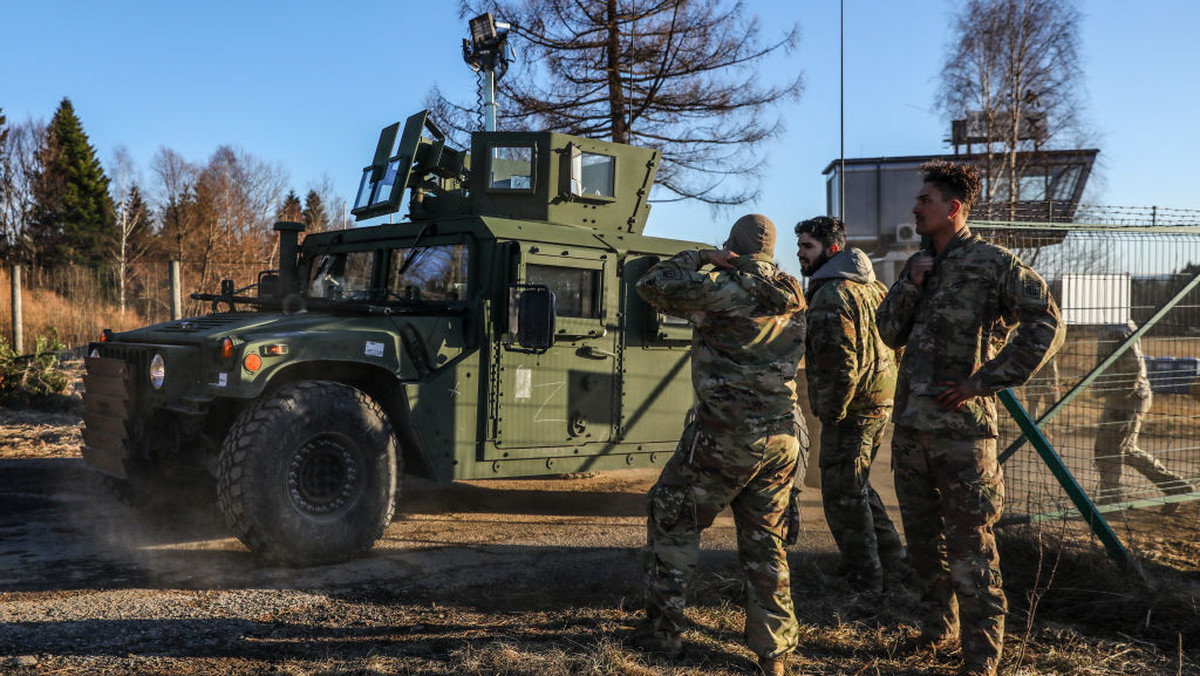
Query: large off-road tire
(308, 474)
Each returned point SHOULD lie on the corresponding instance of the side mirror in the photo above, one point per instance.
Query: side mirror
(535, 316)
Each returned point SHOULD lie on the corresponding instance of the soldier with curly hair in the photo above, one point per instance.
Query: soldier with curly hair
(944, 310)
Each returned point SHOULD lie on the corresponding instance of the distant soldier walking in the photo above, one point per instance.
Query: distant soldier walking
(1043, 390)
(743, 450)
(851, 384)
(1127, 397)
(945, 309)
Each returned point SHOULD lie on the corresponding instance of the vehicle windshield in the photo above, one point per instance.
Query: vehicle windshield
(433, 273)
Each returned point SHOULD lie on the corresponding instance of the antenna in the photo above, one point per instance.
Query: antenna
(842, 113)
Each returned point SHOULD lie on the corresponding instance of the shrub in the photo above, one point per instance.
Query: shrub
(35, 379)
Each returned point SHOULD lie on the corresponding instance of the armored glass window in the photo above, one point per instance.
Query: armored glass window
(428, 273)
(576, 290)
(341, 276)
(511, 168)
(598, 173)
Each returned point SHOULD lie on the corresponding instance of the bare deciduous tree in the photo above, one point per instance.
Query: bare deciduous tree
(1013, 69)
(176, 194)
(132, 218)
(677, 75)
(237, 197)
(19, 172)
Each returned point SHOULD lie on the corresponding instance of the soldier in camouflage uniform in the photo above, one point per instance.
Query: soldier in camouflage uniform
(743, 449)
(944, 309)
(1043, 390)
(851, 385)
(1127, 397)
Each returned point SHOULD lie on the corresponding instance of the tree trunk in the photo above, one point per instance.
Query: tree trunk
(616, 96)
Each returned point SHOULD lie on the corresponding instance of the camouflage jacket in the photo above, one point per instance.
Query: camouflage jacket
(850, 370)
(1125, 377)
(747, 338)
(947, 328)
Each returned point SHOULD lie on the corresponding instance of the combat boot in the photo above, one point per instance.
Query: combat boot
(667, 644)
(977, 670)
(773, 666)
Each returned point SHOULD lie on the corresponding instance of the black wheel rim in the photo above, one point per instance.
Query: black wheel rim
(324, 475)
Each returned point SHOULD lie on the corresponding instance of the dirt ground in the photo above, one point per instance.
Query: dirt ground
(486, 577)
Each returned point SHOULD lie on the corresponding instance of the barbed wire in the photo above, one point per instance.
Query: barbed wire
(1032, 214)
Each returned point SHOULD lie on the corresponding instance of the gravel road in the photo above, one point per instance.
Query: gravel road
(88, 586)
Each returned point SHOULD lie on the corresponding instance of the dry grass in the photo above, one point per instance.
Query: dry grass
(76, 320)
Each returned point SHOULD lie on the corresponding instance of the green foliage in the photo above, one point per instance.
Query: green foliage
(32, 380)
(315, 217)
(74, 220)
(291, 209)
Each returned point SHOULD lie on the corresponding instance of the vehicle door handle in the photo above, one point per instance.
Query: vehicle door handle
(591, 352)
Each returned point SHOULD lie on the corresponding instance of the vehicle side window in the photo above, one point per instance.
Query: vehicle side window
(599, 174)
(576, 290)
(343, 275)
(511, 168)
(428, 273)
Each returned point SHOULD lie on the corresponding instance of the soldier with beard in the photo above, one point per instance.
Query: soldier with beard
(851, 384)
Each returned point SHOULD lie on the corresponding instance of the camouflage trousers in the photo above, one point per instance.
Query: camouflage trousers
(865, 536)
(709, 472)
(951, 493)
(1117, 445)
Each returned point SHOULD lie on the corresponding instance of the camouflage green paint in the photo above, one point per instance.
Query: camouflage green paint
(742, 450)
(946, 328)
(951, 494)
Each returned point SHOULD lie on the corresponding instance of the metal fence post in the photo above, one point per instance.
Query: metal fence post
(1066, 479)
(176, 301)
(17, 321)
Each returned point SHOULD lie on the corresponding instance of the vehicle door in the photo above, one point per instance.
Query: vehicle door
(560, 401)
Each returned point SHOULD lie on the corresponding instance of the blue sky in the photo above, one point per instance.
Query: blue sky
(308, 85)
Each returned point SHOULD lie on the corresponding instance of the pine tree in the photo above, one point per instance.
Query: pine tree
(73, 219)
(291, 210)
(315, 217)
(141, 236)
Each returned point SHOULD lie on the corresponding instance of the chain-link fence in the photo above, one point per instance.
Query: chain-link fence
(1120, 403)
(74, 303)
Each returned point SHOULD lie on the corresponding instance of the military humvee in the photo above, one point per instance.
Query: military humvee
(496, 333)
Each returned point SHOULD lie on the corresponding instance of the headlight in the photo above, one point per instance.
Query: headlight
(158, 371)
(95, 352)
